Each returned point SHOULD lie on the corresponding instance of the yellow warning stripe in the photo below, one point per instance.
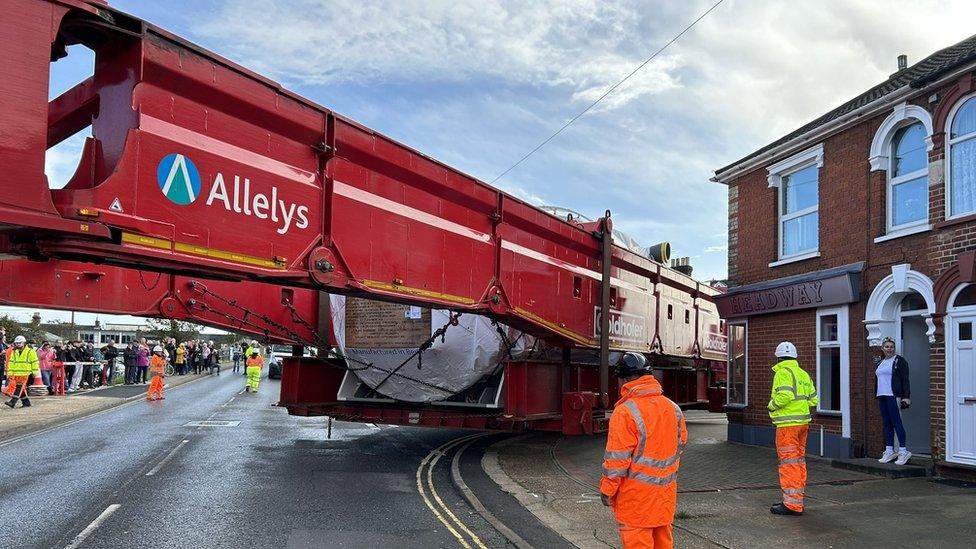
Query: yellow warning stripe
(204, 251)
(149, 241)
(555, 327)
(401, 289)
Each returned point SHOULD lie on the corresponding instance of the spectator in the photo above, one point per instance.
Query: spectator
(129, 360)
(47, 356)
(142, 362)
(214, 362)
(180, 359)
(87, 357)
(109, 354)
(76, 354)
(171, 352)
(205, 352)
(237, 354)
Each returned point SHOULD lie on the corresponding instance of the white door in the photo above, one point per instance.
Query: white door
(961, 391)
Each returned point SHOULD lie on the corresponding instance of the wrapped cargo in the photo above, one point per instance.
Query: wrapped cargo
(378, 337)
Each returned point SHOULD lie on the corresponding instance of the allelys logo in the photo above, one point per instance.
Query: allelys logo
(179, 180)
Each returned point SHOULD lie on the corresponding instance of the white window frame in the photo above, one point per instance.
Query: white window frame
(728, 373)
(949, 142)
(793, 164)
(843, 335)
(912, 226)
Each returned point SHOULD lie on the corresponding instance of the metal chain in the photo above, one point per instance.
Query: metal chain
(298, 338)
(440, 332)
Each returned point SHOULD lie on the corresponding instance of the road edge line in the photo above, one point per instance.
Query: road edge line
(479, 507)
(534, 503)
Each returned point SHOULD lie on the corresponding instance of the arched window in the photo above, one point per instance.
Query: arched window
(966, 297)
(908, 194)
(961, 191)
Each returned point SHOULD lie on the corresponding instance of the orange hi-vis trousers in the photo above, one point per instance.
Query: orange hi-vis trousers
(659, 537)
(791, 448)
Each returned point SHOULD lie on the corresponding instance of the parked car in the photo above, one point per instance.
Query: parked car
(276, 353)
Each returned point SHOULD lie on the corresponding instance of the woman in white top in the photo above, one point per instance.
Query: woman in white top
(892, 386)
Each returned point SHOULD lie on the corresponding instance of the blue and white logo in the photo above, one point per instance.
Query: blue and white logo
(179, 179)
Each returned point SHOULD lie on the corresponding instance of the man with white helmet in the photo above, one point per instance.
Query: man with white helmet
(792, 396)
(21, 363)
(253, 347)
(157, 369)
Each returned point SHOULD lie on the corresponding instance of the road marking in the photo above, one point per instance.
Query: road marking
(92, 526)
(224, 405)
(135, 400)
(166, 459)
(473, 500)
(428, 463)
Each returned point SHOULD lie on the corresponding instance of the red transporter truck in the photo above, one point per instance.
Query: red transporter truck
(201, 169)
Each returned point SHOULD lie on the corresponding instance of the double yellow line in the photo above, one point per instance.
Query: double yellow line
(425, 485)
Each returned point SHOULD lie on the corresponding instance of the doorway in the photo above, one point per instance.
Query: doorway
(961, 378)
(914, 348)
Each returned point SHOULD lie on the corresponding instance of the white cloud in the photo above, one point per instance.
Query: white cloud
(713, 249)
(508, 74)
(585, 45)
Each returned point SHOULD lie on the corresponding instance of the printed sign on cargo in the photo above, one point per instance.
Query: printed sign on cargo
(179, 181)
(623, 326)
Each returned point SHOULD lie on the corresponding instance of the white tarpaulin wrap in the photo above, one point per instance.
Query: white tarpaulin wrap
(385, 334)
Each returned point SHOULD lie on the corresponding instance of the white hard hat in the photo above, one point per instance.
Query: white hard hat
(20, 339)
(254, 343)
(157, 349)
(786, 350)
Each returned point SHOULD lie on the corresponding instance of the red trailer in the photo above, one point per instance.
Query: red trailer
(204, 171)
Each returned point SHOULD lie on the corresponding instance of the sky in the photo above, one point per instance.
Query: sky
(479, 84)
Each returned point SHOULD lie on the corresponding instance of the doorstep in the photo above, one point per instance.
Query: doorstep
(916, 467)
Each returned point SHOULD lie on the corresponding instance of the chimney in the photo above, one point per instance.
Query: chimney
(902, 62)
(682, 265)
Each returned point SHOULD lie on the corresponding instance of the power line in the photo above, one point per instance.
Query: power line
(608, 92)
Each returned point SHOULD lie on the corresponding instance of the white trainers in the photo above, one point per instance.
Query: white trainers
(903, 457)
(888, 456)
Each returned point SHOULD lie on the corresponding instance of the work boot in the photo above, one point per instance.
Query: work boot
(12, 402)
(781, 509)
(25, 402)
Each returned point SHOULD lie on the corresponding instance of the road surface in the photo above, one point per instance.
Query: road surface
(148, 475)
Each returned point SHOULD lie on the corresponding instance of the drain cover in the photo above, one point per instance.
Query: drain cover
(213, 424)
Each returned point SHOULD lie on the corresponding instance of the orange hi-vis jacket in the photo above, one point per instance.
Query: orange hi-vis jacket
(157, 365)
(644, 445)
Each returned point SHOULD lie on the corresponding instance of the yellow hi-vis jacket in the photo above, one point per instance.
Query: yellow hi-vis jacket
(22, 362)
(792, 395)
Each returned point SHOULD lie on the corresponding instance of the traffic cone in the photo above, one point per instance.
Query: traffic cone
(37, 388)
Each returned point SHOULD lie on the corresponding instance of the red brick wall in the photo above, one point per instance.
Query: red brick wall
(852, 214)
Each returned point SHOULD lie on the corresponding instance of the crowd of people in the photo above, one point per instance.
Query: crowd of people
(87, 366)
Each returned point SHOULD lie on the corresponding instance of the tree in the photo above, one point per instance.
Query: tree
(162, 328)
(12, 327)
(65, 330)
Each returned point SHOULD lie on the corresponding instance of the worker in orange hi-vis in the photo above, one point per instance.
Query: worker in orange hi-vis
(252, 368)
(640, 466)
(157, 369)
(790, 400)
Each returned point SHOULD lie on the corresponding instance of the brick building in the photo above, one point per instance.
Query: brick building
(859, 225)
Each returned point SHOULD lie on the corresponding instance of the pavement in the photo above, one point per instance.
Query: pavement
(725, 491)
(49, 411)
